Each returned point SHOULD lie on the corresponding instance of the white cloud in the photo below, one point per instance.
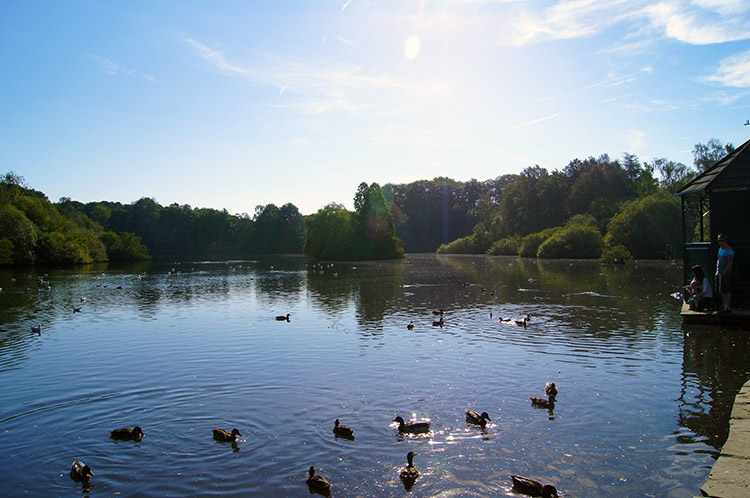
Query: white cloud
(704, 23)
(215, 58)
(733, 71)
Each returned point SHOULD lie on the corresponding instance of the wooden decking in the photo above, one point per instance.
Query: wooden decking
(738, 318)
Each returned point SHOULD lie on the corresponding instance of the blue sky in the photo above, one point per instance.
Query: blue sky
(233, 104)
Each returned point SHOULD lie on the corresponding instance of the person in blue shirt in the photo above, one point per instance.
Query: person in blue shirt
(723, 278)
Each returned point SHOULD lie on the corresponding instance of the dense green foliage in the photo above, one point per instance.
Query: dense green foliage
(368, 233)
(527, 215)
(648, 228)
(33, 230)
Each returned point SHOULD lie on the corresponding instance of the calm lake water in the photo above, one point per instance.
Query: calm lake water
(179, 348)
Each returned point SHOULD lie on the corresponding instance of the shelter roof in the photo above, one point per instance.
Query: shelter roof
(732, 172)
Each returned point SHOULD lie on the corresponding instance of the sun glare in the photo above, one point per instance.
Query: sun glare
(411, 48)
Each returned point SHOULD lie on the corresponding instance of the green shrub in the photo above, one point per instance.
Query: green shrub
(577, 241)
(618, 254)
(530, 244)
(505, 247)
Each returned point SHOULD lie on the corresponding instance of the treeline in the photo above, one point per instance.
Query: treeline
(179, 230)
(592, 208)
(597, 207)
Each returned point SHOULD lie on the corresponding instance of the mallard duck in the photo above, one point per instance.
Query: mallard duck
(438, 323)
(411, 325)
(77, 309)
(543, 403)
(410, 472)
(126, 434)
(282, 318)
(475, 418)
(412, 427)
(523, 321)
(37, 329)
(438, 312)
(225, 436)
(550, 389)
(342, 430)
(318, 484)
(80, 472)
(533, 488)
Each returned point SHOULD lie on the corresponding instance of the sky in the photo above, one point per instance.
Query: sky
(235, 104)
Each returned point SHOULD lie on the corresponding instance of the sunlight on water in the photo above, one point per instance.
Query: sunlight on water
(180, 348)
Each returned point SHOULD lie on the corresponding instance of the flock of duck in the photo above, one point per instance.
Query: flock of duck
(80, 472)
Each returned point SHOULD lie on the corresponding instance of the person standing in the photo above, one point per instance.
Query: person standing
(723, 281)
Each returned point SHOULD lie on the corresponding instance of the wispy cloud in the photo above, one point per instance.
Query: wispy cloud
(733, 71)
(316, 87)
(215, 58)
(114, 68)
(702, 23)
(529, 123)
(697, 22)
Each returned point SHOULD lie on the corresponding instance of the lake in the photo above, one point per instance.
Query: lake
(180, 347)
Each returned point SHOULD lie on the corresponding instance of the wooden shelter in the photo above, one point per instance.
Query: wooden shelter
(718, 201)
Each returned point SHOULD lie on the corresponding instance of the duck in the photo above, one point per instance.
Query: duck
(438, 323)
(225, 436)
(412, 427)
(77, 309)
(438, 312)
(524, 321)
(548, 403)
(531, 487)
(475, 418)
(37, 329)
(410, 472)
(127, 434)
(318, 484)
(80, 472)
(343, 430)
(282, 318)
(411, 325)
(550, 389)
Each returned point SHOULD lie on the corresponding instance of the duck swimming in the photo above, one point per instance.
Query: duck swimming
(543, 403)
(37, 329)
(410, 472)
(531, 487)
(282, 318)
(550, 389)
(80, 472)
(126, 434)
(475, 418)
(225, 436)
(412, 427)
(318, 484)
(411, 325)
(342, 430)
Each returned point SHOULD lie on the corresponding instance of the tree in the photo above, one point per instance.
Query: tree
(648, 227)
(16, 227)
(705, 156)
(374, 230)
(330, 233)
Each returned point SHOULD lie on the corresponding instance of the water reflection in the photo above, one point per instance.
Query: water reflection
(714, 369)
